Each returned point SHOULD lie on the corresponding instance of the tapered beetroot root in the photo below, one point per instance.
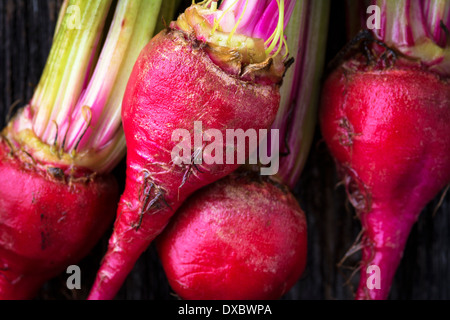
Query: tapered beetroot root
(240, 238)
(47, 221)
(389, 132)
(173, 84)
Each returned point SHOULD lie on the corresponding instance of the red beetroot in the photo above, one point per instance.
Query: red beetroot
(385, 115)
(388, 131)
(238, 239)
(244, 237)
(47, 221)
(173, 84)
(57, 194)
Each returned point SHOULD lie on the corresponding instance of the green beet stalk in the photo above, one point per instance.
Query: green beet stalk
(73, 118)
(297, 117)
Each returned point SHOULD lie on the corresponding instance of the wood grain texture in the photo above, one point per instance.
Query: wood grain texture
(26, 31)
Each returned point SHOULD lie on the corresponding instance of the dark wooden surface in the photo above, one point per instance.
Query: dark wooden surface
(26, 29)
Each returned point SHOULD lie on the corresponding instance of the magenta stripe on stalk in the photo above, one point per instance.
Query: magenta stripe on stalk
(267, 23)
(254, 10)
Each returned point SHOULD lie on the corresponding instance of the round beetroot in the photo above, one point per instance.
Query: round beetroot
(47, 221)
(239, 238)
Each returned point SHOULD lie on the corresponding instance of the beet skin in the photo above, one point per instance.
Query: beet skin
(389, 131)
(237, 239)
(47, 221)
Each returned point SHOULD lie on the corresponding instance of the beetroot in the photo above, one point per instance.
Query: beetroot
(388, 131)
(240, 238)
(185, 74)
(47, 222)
(57, 193)
(154, 187)
(245, 236)
(386, 124)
